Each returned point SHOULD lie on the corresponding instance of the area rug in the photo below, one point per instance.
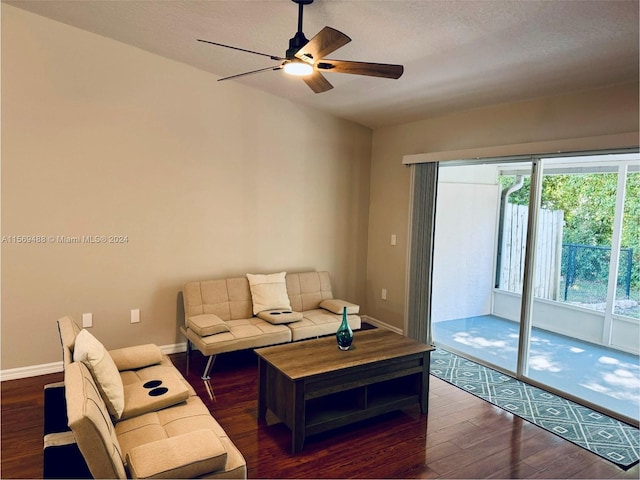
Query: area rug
(607, 437)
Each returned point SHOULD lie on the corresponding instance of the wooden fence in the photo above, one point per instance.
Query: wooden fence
(548, 251)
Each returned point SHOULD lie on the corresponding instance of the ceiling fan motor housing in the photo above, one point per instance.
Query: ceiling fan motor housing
(296, 43)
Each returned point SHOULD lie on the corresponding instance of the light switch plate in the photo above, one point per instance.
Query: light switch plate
(87, 320)
(135, 315)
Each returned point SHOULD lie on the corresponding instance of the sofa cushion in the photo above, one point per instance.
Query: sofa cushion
(189, 455)
(306, 290)
(229, 298)
(247, 333)
(92, 353)
(207, 324)
(268, 292)
(280, 316)
(319, 322)
(89, 420)
(68, 330)
(335, 305)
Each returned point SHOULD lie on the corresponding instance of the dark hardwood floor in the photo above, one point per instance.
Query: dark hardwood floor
(462, 436)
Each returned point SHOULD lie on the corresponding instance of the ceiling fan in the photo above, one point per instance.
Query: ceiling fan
(306, 58)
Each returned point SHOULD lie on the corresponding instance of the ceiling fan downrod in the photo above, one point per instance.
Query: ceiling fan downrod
(299, 40)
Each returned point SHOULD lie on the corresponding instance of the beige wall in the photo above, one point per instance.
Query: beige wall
(205, 180)
(599, 112)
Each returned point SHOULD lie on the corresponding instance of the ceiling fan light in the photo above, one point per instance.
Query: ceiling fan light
(299, 69)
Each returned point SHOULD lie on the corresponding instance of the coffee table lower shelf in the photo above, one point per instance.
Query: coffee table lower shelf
(318, 421)
(324, 400)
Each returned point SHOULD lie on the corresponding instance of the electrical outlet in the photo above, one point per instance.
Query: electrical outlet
(384, 294)
(394, 239)
(87, 320)
(135, 315)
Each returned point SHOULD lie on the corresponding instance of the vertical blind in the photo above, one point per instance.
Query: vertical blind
(423, 214)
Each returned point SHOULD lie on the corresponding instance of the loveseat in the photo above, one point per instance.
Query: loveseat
(260, 310)
(134, 415)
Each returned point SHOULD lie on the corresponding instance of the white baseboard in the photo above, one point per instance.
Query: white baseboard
(32, 371)
(175, 348)
(380, 324)
(56, 367)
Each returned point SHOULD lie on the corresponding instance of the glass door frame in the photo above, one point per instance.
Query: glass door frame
(526, 312)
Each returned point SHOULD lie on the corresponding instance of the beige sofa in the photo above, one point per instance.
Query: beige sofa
(222, 315)
(162, 430)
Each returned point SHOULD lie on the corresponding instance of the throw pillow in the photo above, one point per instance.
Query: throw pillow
(92, 353)
(268, 292)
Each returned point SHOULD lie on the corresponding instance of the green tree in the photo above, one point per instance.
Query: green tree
(588, 202)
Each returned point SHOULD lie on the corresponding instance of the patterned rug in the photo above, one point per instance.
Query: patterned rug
(607, 437)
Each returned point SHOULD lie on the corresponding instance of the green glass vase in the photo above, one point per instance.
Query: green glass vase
(344, 333)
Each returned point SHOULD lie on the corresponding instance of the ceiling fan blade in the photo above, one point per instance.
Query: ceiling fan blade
(361, 68)
(326, 41)
(251, 72)
(317, 82)
(272, 57)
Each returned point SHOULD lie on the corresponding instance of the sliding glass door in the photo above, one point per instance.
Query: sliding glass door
(584, 340)
(474, 257)
(535, 273)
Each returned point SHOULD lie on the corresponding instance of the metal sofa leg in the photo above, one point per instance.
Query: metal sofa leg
(206, 376)
(207, 369)
(209, 388)
(188, 354)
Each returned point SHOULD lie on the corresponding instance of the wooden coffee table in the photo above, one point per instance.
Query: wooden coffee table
(312, 386)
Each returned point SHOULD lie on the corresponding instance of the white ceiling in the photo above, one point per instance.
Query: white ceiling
(457, 54)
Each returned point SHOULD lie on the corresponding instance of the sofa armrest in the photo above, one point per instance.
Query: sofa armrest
(189, 455)
(166, 390)
(336, 305)
(140, 356)
(207, 324)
